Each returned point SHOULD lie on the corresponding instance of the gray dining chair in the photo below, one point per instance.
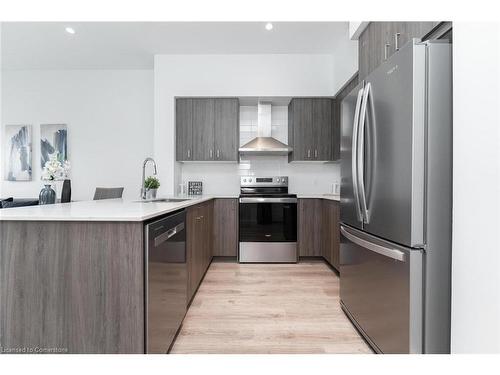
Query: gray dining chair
(108, 193)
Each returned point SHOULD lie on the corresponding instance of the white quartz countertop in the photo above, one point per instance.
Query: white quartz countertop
(114, 209)
(100, 210)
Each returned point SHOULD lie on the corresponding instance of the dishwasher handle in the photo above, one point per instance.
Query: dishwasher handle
(158, 240)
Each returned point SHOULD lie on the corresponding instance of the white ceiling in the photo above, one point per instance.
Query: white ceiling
(132, 45)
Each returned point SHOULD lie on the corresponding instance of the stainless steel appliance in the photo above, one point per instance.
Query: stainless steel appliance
(267, 221)
(264, 143)
(166, 281)
(396, 166)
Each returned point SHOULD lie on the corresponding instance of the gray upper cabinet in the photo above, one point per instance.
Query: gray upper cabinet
(207, 129)
(381, 39)
(203, 129)
(184, 129)
(323, 124)
(310, 129)
(226, 121)
(302, 129)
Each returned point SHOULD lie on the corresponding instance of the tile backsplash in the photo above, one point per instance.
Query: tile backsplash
(222, 178)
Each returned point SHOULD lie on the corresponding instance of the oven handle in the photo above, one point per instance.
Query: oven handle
(268, 200)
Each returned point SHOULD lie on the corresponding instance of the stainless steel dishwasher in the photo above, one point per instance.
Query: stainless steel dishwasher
(166, 281)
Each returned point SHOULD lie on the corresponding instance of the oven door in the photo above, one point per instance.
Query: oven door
(268, 229)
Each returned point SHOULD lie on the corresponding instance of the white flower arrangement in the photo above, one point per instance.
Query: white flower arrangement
(55, 170)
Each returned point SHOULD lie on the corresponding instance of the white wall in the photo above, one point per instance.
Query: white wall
(229, 75)
(109, 114)
(345, 62)
(476, 189)
(356, 29)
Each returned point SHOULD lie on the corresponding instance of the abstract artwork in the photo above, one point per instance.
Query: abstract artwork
(53, 141)
(17, 147)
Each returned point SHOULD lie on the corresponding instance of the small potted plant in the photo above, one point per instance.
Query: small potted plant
(151, 184)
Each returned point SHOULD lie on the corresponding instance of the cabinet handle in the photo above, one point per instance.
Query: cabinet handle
(189, 154)
(211, 154)
(218, 154)
(315, 153)
(386, 51)
(308, 153)
(198, 218)
(396, 41)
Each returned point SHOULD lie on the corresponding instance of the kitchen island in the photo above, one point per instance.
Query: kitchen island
(72, 275)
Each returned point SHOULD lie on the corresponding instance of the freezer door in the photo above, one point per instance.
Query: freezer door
(350, 212)
(381, 291)
(391, 158)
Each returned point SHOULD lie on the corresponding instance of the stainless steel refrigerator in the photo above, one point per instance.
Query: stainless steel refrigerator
(396, 197)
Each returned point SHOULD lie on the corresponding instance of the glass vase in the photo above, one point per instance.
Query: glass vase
(47, 195)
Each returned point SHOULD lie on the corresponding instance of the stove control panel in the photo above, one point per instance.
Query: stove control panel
(258, 181)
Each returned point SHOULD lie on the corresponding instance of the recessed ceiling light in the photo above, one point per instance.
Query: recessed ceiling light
(269, 26)
(70, 30)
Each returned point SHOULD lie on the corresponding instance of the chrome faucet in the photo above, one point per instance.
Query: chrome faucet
(143, 186)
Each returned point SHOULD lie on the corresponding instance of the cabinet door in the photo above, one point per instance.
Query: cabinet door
(326, 234)
(310, 219)
(208, 214)
(336, 128)
(363, 53)
(303, 139)
(335, 233)
(184, 129)
(322, 127)
(225, 227)
(330, 234)
(203, 129)
(192, 243)
(227, 135)
(377, 44)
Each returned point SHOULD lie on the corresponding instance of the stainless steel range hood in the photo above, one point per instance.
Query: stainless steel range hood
(264, 144)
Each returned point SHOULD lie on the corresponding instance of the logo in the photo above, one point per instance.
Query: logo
(392, 70)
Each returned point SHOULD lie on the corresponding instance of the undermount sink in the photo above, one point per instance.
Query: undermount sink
(165, 200)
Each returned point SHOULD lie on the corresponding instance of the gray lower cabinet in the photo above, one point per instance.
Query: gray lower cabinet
(318, 229)
(381, 39)
(311, 129)
(330, 232)
(225, 227)
(207, 129)
(199, 242)
(310, 217)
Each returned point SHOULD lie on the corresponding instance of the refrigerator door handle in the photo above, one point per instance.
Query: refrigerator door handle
(376, 248)
(354, 150)
(361, 154)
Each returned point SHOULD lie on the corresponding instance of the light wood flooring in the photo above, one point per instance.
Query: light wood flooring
(268, 308)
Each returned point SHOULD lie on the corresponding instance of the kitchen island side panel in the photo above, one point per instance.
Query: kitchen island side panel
(75, 287)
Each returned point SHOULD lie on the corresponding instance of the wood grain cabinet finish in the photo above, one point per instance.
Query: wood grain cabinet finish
(199, 242)
(381, 39)
(225, 227)
(73, 286)
(337, 112)
(226, 129)
(311, 129)
(330, 244)
(310, 219)
(203, 129)
(184, 129)
(207, 129)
